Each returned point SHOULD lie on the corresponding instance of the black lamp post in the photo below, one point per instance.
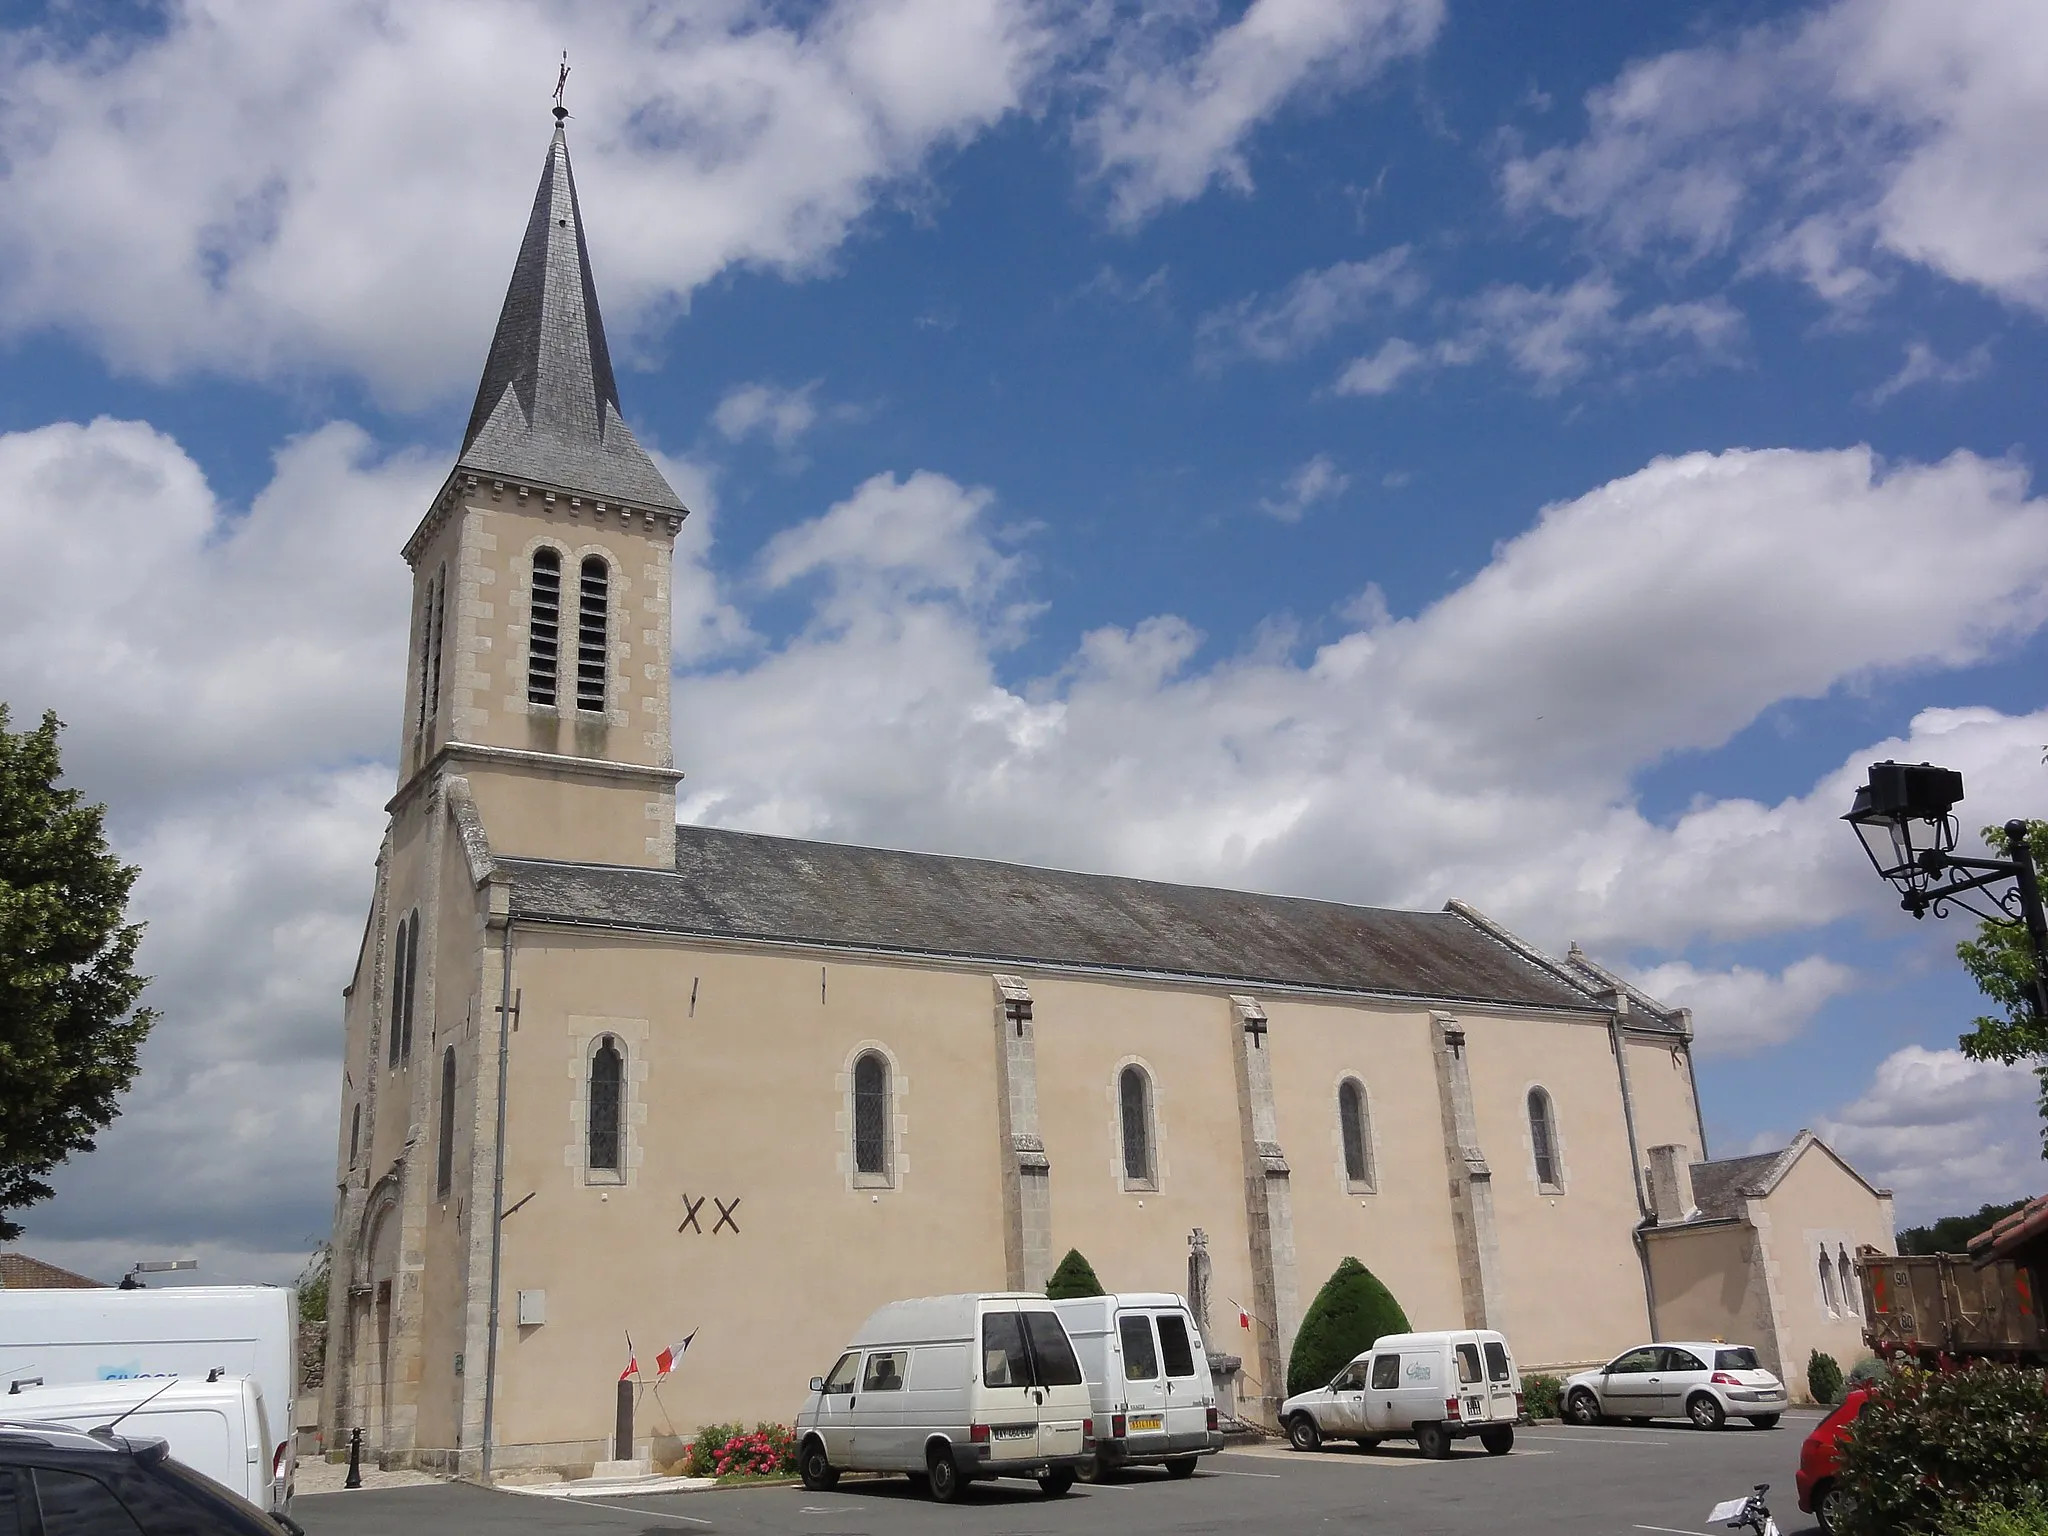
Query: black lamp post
(1905, 816)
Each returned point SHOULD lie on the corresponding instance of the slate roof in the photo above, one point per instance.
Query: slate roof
(746, 886)
(548, 407)
(1718, 1187)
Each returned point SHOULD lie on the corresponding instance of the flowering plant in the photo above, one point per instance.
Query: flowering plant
(727, 1450)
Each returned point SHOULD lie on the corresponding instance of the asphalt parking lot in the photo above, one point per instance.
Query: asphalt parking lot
(1656, 1480)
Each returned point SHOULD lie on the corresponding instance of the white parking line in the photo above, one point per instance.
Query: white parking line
(627, 1509)
(1670, 1530)
(1226, 1472)
(1593, 1440)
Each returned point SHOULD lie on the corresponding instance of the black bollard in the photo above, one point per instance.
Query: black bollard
(355, 1459)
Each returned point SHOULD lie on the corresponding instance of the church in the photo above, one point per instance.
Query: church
(610, 1083)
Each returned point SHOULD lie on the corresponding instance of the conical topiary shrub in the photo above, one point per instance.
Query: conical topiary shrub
(1074, 1277)
(1349, 1315)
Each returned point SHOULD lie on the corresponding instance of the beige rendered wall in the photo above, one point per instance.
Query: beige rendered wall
(1137, 1239)
(1709, 1285)
(1402, 1230)
(1660, 1078)
(1818, 1202)
(1572, 1282)
(747, 1100)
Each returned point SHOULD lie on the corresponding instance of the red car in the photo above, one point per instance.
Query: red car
(1819, 1495)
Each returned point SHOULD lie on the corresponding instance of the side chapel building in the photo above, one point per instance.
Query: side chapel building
(751, 1087)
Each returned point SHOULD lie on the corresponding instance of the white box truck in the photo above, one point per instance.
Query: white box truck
(63, 1338)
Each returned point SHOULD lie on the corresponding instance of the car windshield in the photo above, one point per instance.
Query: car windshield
(1741, 1358)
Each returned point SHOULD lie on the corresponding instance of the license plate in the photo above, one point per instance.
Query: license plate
(1014, 1431)
(1144, 1421)
(1475, 1406)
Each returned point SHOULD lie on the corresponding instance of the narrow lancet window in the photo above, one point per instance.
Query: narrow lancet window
(1543, 1139)
(1356, 1129)
(394, 1025)
(412, 980)
(444, 1163)
(607, 1095)
(544, 629)
(871, 1116)
(1134, 1103)
(430, 650)
(591, 620)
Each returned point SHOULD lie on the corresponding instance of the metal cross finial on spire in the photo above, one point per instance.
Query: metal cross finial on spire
(561, 85)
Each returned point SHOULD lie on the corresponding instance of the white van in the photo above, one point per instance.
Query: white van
(1438, 1387)
(1149, 1387)
(61, 1338)
(219, 1427)
(950, 1389)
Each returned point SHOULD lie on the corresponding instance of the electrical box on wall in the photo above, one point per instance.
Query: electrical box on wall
(533, 1308)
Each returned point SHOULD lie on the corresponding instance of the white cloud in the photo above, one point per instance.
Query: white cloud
(1176, 118)
(1923, 365)
(1945, 1133)
(265, 189)
(1864, 133)
(780, 415)
(232, 683)
(1315, 480)
(1742, 1010)
(1381, 372)
(1313, 307)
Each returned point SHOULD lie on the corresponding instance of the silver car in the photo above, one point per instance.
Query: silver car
(1706, 1382)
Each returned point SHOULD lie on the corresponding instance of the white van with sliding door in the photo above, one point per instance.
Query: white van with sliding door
(1153, 1399)
(1438, 1387)
(952, 1389)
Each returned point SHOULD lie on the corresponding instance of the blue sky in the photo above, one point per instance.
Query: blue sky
(1375, 449)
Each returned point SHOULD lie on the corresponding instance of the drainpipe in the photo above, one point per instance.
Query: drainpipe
(1635, 1157)
(498, 1203)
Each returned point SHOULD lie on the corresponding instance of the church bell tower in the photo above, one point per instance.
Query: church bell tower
(539, 662)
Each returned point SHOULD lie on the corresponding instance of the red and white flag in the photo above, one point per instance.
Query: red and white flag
(1244, 1318)
(666, 1362)
(632, 1368)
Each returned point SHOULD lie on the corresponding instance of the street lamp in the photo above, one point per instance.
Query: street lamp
(1905, 816)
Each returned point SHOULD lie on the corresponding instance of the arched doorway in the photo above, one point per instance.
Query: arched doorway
(372, 1323)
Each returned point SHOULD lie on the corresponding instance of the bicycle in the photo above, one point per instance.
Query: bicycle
(1749, 1511)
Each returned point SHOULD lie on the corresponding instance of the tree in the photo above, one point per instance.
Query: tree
(1074, 1277)
(2001, 961)
(1952, 1234)
(69, 1027)
(1350, 1314)
(312, 1283)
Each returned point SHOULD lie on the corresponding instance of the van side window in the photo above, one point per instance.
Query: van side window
(1386, 1372)
(1004, 1360)
(885, 1371)
(1173, 1345)
(1141, 1360)
(1497, 1367)
(841, 1379)
(1350, 1379)
(1052, 1353)
(1468, 1364)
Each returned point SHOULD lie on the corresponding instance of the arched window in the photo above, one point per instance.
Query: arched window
(1852, 1296)
(412, 984)
(544, 628)
(592, 616)
(444, 1165)
(1355, 1122)
(1827, 1281)
(607, 1102)
(1543, 1139)
(399, 1025)
(355, 1135)
(871, 1117)
(1134, 1110)
(433, 602)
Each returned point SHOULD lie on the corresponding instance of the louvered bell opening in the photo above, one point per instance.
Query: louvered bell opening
(590, 635)
(544, 629)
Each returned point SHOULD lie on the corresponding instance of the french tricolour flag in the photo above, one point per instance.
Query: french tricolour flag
(666, 1362)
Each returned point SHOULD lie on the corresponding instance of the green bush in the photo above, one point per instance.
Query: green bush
(1866, 1370)
(1350, 1313)
(1074, 1277)
(1541, 1395)
(1823, 1378)
(1931, 1445)
(2029, 1519)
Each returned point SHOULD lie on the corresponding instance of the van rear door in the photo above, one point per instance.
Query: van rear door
(1502, 1382)
(1188, 1389)
(1061, 1393)
(1475, 1404)
(1006, 1403)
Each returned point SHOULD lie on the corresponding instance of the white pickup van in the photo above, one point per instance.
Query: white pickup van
(219, 1427)
(1149, 1386)
(1438, 1387)
(58, 1338)
(951, 1389)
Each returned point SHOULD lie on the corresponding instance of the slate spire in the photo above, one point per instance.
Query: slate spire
(547, 410)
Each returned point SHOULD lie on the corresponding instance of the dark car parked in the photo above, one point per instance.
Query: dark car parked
(60, 1481)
